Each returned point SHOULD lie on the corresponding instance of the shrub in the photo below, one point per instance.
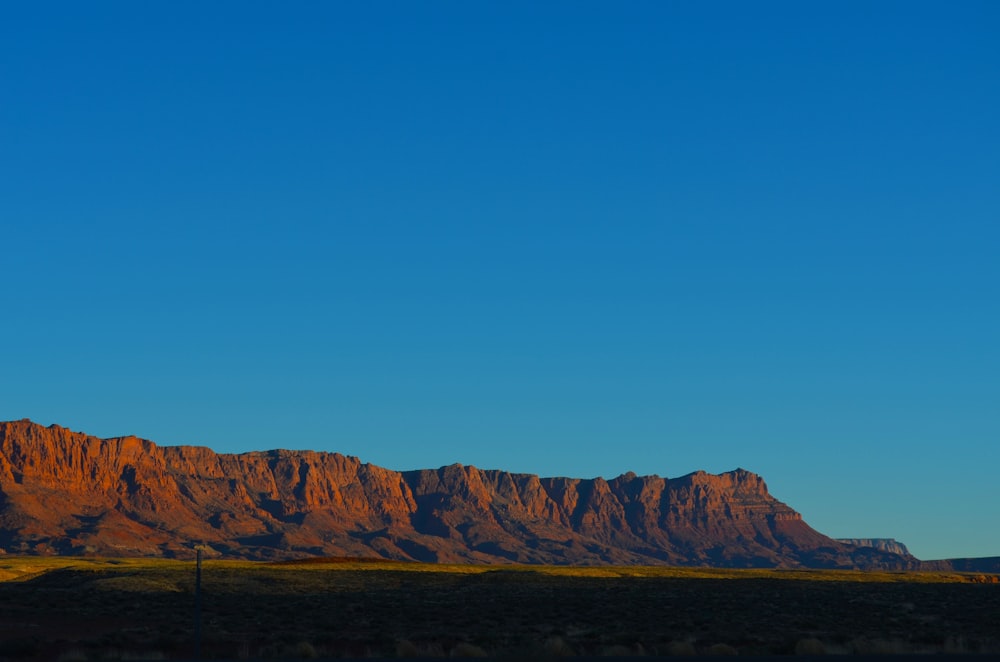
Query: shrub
(464, 649)
(618, 650)
(878, 647)
(953, 645)
(558, 647)
(407, 648)
(305, 651)
(722, 649)
(810, 647)
(680, 648)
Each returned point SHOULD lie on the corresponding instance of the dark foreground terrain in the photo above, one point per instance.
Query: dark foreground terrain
(87, 609)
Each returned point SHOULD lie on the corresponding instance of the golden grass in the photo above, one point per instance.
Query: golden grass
(15, 568)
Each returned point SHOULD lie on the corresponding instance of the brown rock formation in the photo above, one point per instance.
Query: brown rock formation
(885, 544)
(63, 492)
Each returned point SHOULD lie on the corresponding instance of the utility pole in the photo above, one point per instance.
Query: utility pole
(197, 605)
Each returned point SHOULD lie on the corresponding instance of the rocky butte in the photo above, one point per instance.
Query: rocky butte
(64, 492)
(885, 544)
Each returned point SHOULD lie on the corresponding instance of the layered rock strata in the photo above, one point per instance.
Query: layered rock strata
(884, 544)
(64, 492)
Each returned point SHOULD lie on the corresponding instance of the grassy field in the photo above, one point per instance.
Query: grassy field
(74, 609)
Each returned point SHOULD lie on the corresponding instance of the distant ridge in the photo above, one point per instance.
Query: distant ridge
(64, 492)
(987, 564)
(884, 544)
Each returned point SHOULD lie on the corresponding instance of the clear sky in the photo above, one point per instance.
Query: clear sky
(570, 239)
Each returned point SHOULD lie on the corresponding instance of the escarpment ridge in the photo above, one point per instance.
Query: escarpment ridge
(65, 492)
(885, 544)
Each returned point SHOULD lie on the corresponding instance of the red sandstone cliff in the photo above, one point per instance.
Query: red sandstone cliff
(63, 492)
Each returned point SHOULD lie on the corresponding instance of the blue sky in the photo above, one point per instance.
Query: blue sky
(577, 239)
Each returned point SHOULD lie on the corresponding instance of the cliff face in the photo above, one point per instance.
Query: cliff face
(884, 544)
(63, 492)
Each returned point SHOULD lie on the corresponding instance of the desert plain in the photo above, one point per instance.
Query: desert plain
(78, 609)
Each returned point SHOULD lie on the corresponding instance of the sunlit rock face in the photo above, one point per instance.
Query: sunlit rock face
(64, 492)
(884, 544)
